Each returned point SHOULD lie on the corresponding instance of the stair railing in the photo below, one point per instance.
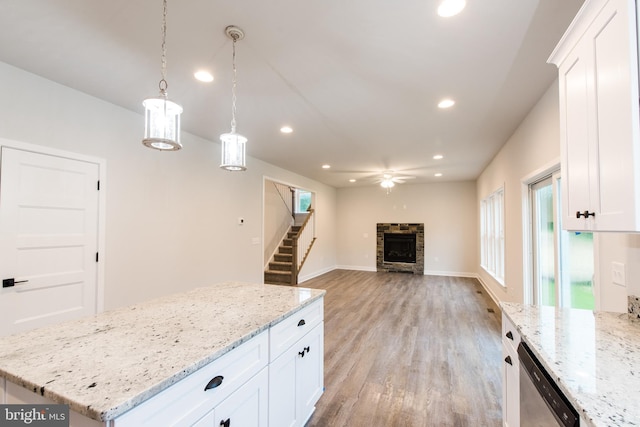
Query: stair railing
(288, 196)
(301, 245)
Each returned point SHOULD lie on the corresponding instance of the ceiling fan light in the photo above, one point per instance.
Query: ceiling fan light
(450, 8)
(387, 183)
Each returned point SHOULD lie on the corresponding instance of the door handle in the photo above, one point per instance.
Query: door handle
(7, 283)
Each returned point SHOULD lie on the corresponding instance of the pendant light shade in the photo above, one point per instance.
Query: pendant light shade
(233, 144)
(233, 151)
(162, 124)
(162, 116)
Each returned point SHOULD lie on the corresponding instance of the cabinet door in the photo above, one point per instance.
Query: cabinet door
(510, 388)
(599, 114)
(296, 380)
(247, 406)
(282, 389)
(575, 85)
(310, 372)
(614, 41)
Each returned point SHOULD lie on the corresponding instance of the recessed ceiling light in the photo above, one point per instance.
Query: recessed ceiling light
(446, 103)
(326, 166)
(286, 129)
(352, 180)
(438, 157)
(450, 8)
(437, 174)
(203, 76)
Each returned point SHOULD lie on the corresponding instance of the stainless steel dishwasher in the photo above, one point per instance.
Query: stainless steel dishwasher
(542, 404)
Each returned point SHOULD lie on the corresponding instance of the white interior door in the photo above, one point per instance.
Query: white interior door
(49, 209)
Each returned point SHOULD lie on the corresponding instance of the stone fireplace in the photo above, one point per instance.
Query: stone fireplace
(400, 248)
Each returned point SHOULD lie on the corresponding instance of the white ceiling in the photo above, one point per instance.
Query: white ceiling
(358, 80)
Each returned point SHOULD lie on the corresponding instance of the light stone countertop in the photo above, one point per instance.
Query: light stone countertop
(104, 365)
(594, 358)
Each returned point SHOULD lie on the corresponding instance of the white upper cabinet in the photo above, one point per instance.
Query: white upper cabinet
(597, 61)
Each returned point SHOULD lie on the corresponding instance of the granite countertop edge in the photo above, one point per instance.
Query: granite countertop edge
(102, 412)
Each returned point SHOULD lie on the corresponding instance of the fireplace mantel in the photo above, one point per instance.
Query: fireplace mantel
(398, 228)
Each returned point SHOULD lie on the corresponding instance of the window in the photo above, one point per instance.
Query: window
(492, 234)
(303, 201)
(562, 261)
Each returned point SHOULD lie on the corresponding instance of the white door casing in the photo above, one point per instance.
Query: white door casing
(50, 236)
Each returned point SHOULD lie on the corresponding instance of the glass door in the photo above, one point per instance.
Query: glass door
(562, 260)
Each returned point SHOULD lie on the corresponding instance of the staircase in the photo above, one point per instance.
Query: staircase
(281, 267)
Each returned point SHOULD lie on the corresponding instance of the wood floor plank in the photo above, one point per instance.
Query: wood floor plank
(408, 350)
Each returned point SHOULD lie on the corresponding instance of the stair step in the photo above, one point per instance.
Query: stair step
(280, 266)
(285, 250)
(283, 258)
(277, 277)
(287, 242)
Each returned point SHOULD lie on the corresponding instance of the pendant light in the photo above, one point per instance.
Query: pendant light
(233, 144)
(162, 116)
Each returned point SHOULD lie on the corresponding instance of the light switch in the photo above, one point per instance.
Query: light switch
(617, 274)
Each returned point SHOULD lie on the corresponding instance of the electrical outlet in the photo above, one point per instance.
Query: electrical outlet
(618, 275)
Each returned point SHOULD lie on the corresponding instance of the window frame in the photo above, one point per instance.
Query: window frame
(492, 234)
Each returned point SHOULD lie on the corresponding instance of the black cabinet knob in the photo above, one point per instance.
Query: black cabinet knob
(302, 322)
(508, 360)
(509, 335)
(225, 423)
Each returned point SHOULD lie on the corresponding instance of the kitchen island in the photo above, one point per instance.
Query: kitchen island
(104, 366)
(594, 358)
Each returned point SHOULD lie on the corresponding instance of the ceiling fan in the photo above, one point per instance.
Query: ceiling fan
(388, 180)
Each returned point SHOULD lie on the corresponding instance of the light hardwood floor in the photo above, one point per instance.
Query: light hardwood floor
(408, 350)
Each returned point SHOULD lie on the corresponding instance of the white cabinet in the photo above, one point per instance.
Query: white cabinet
(246, 407)
(212, 386)
(296, 373)
(597, 61)
(510, 374)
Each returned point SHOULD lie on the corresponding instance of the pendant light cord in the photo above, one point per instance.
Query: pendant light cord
(233, 88)
(163, 82)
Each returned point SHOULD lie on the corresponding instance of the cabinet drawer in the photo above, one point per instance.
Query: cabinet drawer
(284, 334)
(510, 335)
(187, 401)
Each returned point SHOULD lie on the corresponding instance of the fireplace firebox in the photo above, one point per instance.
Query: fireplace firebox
(399, 247)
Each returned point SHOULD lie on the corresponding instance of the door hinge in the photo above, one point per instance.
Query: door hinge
(98, 185)
(96, 256)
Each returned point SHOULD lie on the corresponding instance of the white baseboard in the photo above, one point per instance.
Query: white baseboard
(305, 277)
(489, 292)
(449, 273)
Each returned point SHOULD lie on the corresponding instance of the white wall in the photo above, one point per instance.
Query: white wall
(535, 145)
(448, 211)
(171, 218)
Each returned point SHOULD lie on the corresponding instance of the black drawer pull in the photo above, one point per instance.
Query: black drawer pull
(225, 423)
(585, 214)
(508, 360)
(509, 335)
(215, 382)
(302, 322)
